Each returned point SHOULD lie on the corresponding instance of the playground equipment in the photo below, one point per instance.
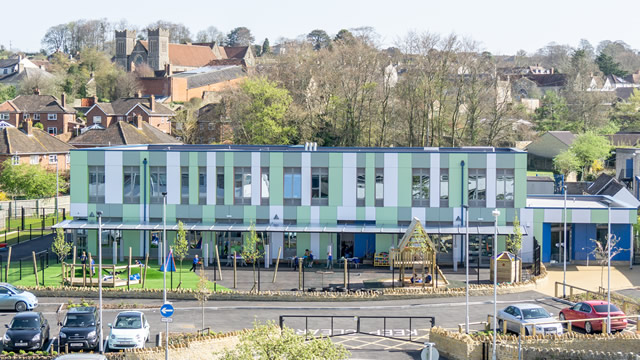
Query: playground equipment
(111, 279)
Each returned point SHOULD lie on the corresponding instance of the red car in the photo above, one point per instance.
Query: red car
(593, 309)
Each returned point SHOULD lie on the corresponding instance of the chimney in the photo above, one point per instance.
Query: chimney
(63, 100)
(36, 91)
(94, 99)
(167, 70)
(139, 94)
(138, 122)
(152, 102)
(27, 126)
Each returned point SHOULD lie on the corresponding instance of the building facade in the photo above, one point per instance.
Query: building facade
(350, 201)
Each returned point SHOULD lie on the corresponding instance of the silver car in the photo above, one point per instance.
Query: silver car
(16, 299)
(528, 315)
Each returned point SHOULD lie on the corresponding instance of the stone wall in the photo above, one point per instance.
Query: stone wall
(510, 352)
(203, 349)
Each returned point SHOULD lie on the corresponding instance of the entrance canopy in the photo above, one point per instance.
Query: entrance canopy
(77, 224)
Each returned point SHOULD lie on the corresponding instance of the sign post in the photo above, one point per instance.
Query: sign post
(166, 311)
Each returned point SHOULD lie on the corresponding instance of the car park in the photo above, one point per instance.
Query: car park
(80, 329)
(130, 329)
(529, 316)
(28, 331)
(12, 298)
(593, 309)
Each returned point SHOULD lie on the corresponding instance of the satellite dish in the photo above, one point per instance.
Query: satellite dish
(429, 352)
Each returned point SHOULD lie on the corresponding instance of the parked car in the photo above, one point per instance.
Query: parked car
(28, 331)
(129, 330)
(12, 298)
(80, 329)
(528, 315)
(590, 310)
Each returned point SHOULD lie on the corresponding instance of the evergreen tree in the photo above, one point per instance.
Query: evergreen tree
(266, 48)
(608, 66)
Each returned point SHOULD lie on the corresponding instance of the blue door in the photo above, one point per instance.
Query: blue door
(364, 244)
(629, 168)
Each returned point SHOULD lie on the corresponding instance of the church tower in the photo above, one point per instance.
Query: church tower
(125, 41)
(158, 48)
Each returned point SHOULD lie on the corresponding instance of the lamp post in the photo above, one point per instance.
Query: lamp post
(609, 267)
(101, 346)
(466, 267)
(496, 214)
(164, 263)
(564, 248)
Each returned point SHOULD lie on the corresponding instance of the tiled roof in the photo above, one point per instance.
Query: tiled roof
(187, 54)
(566, 137)
(28, 73)
(624, 139)
(124, 133)
(15, 141)
(40, 103)
(208, 75)
(123, 105)
(8, 62)
(544, 80)
(236, 52)
(604, 185)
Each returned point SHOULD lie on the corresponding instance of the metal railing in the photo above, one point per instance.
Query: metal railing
(626, 304)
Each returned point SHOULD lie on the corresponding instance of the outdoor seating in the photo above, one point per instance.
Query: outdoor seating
(239, 260)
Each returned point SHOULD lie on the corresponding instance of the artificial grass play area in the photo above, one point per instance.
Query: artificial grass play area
(190, 279)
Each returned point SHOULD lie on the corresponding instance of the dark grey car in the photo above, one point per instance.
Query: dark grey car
(27, 331)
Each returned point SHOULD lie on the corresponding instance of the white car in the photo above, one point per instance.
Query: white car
(129, 330)
(528, 315)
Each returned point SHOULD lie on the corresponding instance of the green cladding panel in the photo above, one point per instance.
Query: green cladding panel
(458, 180)
(80, 177)
(335, 179)
(404, 180)
(277, 179)
(228, 178)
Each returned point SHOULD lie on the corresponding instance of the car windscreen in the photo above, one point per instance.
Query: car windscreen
(30, 323)
(12, 288)
(79, 320)
(604, 308)
(535, 313)
(128, 322)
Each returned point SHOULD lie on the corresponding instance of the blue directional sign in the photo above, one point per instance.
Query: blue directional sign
(166, 310)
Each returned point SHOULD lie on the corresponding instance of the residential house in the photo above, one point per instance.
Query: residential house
(214, 125)
(126, 109)
(628, 168)
(33, 146)
(610, 186)
(542, 150)
(136, 132)
(56, 116)
(15, 70)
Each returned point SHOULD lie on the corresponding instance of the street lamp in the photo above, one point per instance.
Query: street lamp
(495, 214)
(608, 265)
(466, 266)
(564, 249)
(164, 263)
(101, 346)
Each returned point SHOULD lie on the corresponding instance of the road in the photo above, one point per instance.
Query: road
(222, 316)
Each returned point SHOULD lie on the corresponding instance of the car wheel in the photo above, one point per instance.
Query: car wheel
(587, 327)
(21, 306)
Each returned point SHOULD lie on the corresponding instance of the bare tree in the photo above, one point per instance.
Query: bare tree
(601, 253)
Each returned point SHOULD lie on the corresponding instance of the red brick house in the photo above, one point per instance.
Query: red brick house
(33, 146)
(126, 109)
(54, 115)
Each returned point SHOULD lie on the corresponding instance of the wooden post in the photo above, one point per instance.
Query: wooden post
(504, 327)
(64, 273)
(218, 262)
(90, 271)
(300, 265)
(6, 274)
(84, 274)
(345, 271)
(113, 277)
(129, 270)
(35, 266)
(569, 327)
(434, 276)
(275, 272)
(73, 267)
(424, 276)
(235, 275)
(146, 262)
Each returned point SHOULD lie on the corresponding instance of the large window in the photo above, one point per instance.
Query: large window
(158, 183)
(290, 244)
(379, 187)
(35, 159)
(96, 184)
(292, 186)
(52, 130)
(420, 187)
(242, 186)
(477, 187)
(184, 185)
(319, 186)
(4, 116)
(131, 188)
(504, 188)
(444, 188)
(202, 185)
(361, 189)
(15, 160)
(52, 116)
(264, 186)
(220, 185)
(53, 159)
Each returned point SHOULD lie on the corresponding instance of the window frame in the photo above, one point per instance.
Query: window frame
(420, 197)
(220, 185)
(502, 176)
(53, 159)
(97, 120)
(97, 172)
(379, 180)
(15, 160)
(320, 193)
(295, 181)
(4, 116)
(52, 117)
(444, 197)
(52, 130)
(264, 199)
(131, 197)
(36, 158)
(242, 177)
(36, 116)
(202, 185)
(184, 188)
(155, 175)
(479, 198)
(361, 186)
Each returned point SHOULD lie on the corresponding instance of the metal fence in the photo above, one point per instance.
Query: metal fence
(24, 228)
(22, 268)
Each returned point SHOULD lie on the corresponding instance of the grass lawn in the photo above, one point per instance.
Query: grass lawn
(11, 237)
(154, 277)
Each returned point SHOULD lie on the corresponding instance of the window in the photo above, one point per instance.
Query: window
(290, 244)
(36, 116)
(202, 185)
(477, 188)
(210, 126)
(53, 159)
(52, 116)
(201, 125)
(444, 188)
(220, 185)
(97, 119)
(26, 116)
(379, 187)
(4, 116)
(35, 159)
(420, 187)
(15, 160)
(52, 130)
(292, 186)
(131, 187)
(264, 186)
(242, 186)
(360, 187)
(184, 185)
(504, 188)
(158, 183)
(319, 186)
(96, 184)
(68, 158)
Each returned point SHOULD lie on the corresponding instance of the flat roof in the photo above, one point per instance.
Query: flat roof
(576, 202)
(302, 148)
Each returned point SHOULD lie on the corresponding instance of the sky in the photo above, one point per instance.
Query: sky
(501, 26)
